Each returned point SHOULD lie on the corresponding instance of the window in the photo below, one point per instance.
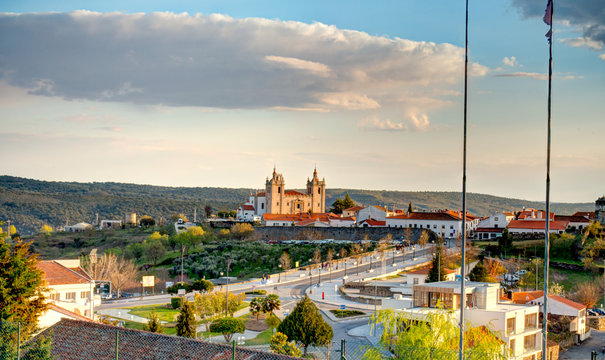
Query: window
(298, 206)
(443, 226)
(279, 189)
(510, 326)
(434, 226)
(70, 296)
(55, 296)
(529, 342)
(511, 346)
(531, 321)
(84, 294)
(496, 218)
(319, 191)
(262, 205)
(288, 203)
(415, 281)
(451, 226)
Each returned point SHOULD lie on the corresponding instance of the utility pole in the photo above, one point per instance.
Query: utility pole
(227, 288)
(182, 259)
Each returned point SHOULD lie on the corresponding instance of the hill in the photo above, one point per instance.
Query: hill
(29, 204)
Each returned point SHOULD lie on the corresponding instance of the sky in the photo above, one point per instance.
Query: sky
(217, 93)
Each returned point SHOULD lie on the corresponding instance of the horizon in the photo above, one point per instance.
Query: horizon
(216, 93)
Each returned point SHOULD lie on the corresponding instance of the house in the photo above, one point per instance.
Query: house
(445, 223)
(73, 339)
(246, 212)
(493, 226)
(372, 212)
(352, 211)
(371, 223)
(533, 214)
(342, 221)
(71, 291)
(419, 276)
(79, 227)
(181, 226)
(591, 215)
(110, 224)
(536, 226)
(295, 219)
(574, 223)
(516, 325)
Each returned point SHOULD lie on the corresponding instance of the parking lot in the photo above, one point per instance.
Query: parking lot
(582, 351)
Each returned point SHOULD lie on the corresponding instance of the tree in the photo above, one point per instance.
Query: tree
(437, 271)
(154, 250)
(228, 326)
(123, 272)
(285, 261)
(271, 303)
(208, 211)
(224, 233)
(153, 323)
(317, 256)
(329, 256)
(185, 323)
(434, 337)
(146, 221)
(505, 242)
(495, 268)
(280, 345)
(22, 285)
(423, 239)
(410, 208)
(195, 230)
(342, 253)
(587, 293)
(306, 325)
(46, 229)
(408, 235)
(242, 230)
(175, 217)
(256, 306)
(348, 202)
(234, 302)
(479, 273)
(41, 349)
(272, 321)
(337, 206)
(202, 285)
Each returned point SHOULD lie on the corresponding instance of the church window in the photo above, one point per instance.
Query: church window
(288, 204)
(298, 206)
(319, 191)
(279, 189)
(278, 203)
(262, 205)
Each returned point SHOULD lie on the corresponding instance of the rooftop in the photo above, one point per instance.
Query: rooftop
(57, 274)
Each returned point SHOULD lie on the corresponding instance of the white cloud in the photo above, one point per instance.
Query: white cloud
(416, 121)
(215, 61)
(510, 61)
(583, 42)
(538, 76)
(602, 56)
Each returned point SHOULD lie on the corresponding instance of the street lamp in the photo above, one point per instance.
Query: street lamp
(310, 278)
(279, 278)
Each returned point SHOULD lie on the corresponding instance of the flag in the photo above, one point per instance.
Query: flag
(548, 13)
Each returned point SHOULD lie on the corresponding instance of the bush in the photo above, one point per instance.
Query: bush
(174, 289)
(256, 292)
(176, 302)
(202, 285)
(228, 326)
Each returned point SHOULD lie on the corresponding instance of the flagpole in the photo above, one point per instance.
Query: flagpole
(547, 220)
(463, 245)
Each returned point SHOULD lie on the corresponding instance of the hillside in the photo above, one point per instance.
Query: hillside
(29, 204)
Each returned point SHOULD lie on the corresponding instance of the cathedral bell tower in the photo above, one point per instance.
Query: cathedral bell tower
(274, 190)
(317, 189)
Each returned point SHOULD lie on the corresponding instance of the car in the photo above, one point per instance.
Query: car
(521, 272)
(598, 311)
(591, 312)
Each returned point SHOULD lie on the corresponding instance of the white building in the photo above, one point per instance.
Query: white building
(446, 224)
(516, 325)
(374, 212)
(558, 305)
(246, 212)
(536, 226)
(79, 227)
(71, 291)
(342, 221)
(352, 211)
(493, 226)
(110, 224)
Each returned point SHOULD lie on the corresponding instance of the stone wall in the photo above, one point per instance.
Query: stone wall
(596, 322)
(336, 233)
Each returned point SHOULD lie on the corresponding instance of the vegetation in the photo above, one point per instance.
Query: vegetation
(479, 273)
(185, 325)
(437, 271)
(306, 325)
(265, 305)
(434, 337)
(341, 204)
(21, 286)
(153, 323)
(280, 345)
(228, 326)
(346, 313)
(32, 203)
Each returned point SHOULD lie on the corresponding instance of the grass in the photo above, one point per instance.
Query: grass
(262, 338)
(570, 278)
(164, 313)
(139, 326)
(346, 313)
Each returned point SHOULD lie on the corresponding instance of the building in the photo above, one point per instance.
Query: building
(71, 291)
(89, 340)
(536, 226)
(322, 220)
(277, 200)
(419, 276)
(110, 224)
(373, 212)
(599, 209)
(446, 224)
(79, 227)
(574, 222)
(516, 325)
(493, 226)
(342, 221)
(246, 212)
(352, 211)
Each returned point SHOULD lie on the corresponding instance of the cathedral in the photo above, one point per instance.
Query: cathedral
(277, 200)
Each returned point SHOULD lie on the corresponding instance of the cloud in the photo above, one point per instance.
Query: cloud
(215, 61)
(602, 56)
(583, 42)
(510, 61)
(538, 76)
(415, 122)
(587, 15)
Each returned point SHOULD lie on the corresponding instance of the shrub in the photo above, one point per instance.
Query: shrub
(176, 302)
(228, 326)
(174, 289)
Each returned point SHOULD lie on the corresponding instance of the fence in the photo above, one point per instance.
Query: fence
(70, 339)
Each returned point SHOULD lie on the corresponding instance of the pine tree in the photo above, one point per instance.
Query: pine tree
(306, 325)
(185, 325)
(21, 286)
(437, 272)
(348, 202)
(153, 323)
(479, 273)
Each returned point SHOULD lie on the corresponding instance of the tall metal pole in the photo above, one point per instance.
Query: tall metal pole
(547, 222)
(463, 249)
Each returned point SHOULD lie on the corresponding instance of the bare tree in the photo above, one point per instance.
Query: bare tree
(99, 268)
(317, 256)
(285, 261)
(424, 239)
(587, 293)
(124, 272)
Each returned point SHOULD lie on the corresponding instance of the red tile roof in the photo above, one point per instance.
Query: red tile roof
(534, 214)
(294, 192)
(567, 302)
(72, 339)
(372, 222)
(572, 218)
(262, 193)
(446, 215)
(536, 224)
(296, 217)
(57, 274)
(489, 230)
(523, 297)
(589, 214)
(246, 207)
(425, 271)
(66, 312)
(354, 208)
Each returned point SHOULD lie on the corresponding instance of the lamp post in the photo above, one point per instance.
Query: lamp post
(227, 288)
(279, 277)
(310, 277)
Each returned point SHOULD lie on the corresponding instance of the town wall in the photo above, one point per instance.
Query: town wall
(337, 233)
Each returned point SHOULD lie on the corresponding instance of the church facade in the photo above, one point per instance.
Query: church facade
(277, 200)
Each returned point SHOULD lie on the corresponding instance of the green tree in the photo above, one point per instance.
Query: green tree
(202, 285)
(256, 306)
(185, 323)
(337, 206)
(437, 271)
(40, 349)
(154, 250)
(436, 337)
(21, 285)
(306, 325)
(505, 242)
(272, 321)
(280, 345)
(479, 273)
(271, 303)
(146, 221)
(153, 323)
(175, 217)
(348, 202)
(228, 326)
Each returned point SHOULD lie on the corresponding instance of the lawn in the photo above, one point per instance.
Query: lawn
(346, 313)
(262, 338)
(138, 326)
(164, 313)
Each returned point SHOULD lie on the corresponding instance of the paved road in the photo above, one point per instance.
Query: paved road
(582, 352)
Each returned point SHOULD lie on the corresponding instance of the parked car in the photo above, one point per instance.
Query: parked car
(591, 312)
(521, 272)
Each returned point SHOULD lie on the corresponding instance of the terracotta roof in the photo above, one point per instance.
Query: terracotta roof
(74, 339)
(294, 192)
(247, 207)
(66, 312)
(425, 271)
(307, 222)
(262, 193)
(296, 217)
(523, 297)
(567, 302)
(57, 274)
(354, 208)
(534, 214)
(343, 218)
(536, 224)
(373, 222)
(490, 230)
(572, 218)
(589, 214)
(380, 208)
(433, 216)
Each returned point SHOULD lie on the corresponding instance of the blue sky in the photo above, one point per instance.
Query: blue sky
(371, 92)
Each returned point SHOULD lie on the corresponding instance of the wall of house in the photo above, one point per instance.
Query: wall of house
(79, 305)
